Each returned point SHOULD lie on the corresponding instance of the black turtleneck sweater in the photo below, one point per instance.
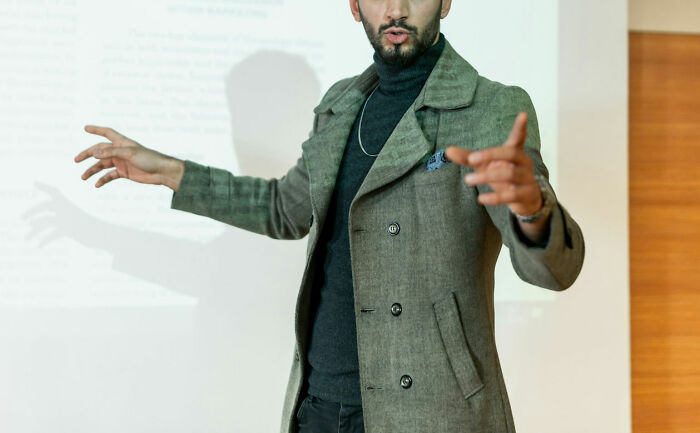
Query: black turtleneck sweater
(334, 371)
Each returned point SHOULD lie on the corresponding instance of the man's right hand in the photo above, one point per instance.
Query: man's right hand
(131, 161)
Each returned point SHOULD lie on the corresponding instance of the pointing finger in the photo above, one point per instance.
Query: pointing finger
(519, 131)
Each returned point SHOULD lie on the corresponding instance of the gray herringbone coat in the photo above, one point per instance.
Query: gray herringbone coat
(439, 266)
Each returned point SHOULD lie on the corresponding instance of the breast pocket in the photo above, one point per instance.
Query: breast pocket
(448, 174)
(456, 347)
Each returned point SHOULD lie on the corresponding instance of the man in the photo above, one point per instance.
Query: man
(411, 181)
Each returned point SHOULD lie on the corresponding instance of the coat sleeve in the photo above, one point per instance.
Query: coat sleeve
(555, 264)
(278, 208)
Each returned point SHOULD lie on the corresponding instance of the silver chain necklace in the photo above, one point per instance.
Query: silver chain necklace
(359, 129)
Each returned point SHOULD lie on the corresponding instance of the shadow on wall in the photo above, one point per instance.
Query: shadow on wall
(270, 95)
(246, 284)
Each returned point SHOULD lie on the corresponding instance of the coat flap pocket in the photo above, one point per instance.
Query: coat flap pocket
(461, 361)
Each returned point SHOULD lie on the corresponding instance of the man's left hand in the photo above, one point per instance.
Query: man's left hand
(507, 169)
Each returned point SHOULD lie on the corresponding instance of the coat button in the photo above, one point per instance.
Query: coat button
(406, 381)
(394, 229)
(396, 309)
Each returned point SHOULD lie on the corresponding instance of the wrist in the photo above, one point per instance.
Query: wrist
(172, 174)
(525, 210)
(536, 232)
(546, 202)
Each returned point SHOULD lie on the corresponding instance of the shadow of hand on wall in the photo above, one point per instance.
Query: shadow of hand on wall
(245, 283)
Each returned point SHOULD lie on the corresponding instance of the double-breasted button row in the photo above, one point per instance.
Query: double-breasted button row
(394, 229)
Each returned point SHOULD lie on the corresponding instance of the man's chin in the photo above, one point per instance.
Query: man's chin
(390, 49)
(402, 56)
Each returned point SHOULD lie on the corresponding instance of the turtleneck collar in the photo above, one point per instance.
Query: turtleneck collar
(396, 79)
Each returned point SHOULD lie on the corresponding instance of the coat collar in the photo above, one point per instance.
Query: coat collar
(451, 85)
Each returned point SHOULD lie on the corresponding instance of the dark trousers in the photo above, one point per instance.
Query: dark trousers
(316, 415)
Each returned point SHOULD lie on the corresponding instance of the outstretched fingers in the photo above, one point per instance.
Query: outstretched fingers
(104, 131)
(97, 167)
(114, 152)
(90, 151)
(107, 178)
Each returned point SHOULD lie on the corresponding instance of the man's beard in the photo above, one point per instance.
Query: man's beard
(395, 56)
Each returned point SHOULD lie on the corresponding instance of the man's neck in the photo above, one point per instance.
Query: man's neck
(394, 78)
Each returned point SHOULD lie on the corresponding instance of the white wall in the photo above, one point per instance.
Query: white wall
(589, 351)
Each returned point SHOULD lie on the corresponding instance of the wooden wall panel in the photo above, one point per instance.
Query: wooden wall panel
(664, 172)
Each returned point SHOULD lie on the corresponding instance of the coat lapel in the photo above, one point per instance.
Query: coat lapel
(323, 152)
(451, 85)
(405, 147)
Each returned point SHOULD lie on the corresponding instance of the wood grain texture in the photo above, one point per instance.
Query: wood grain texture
(664, 172)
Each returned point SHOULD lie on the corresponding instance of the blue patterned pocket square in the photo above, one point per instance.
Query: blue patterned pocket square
(437, 160)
